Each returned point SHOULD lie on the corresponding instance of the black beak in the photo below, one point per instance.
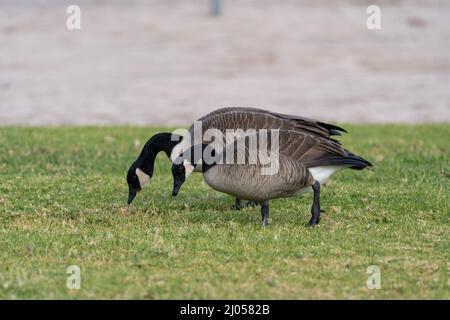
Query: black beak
(176, 187)
(131, 195)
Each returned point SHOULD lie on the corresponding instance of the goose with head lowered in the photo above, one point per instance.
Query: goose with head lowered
(141, 170)
(233, 118)
(303, 163)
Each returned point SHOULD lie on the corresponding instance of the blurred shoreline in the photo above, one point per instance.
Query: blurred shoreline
(170, 62)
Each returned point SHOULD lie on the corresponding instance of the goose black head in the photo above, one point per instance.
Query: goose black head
(179, 172)
(182, 167)
(136, 179)
(141, 170)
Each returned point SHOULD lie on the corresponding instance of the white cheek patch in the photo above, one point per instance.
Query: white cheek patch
(143, 177)
(189, 168)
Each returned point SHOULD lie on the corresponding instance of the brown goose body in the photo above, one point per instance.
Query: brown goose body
(246, 181)
(302, 159)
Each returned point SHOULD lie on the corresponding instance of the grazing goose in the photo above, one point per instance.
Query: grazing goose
(141, 170)
(305, 161)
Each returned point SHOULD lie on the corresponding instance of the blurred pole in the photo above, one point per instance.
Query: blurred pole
(216, 7)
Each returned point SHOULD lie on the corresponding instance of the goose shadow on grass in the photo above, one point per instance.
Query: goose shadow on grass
(217, 209)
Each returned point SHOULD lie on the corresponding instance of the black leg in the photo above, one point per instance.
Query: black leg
(237, 204)
(315, 209)
(265, 214)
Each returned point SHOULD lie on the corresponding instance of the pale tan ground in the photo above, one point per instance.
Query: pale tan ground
(169, 62)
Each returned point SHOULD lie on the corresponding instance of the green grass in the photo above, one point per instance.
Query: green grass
(62, 196)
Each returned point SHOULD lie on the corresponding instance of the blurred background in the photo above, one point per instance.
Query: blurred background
(168, 62)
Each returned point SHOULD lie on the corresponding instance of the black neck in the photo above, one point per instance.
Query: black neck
(159, 142)
(194, 158)
(207, 166)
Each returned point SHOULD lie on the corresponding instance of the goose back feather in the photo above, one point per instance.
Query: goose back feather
(251, 118)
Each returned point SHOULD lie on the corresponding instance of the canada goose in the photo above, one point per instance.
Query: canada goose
(222, 119)
(141, 170)
(305, 161)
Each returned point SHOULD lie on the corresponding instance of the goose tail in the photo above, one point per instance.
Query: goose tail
(353, 161)
(359, 163)
(332, 129)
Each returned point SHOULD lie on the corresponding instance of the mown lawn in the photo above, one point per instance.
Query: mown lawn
(62, 199)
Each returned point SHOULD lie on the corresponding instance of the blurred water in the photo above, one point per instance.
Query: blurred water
(170, 61)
